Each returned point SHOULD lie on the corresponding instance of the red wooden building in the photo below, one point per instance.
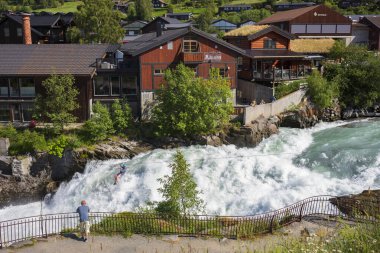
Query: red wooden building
(147, 58)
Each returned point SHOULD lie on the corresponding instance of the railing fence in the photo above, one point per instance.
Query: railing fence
(13, 231)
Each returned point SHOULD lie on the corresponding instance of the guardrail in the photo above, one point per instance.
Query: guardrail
(13, 231)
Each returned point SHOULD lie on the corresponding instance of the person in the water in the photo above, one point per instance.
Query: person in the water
(123, 169)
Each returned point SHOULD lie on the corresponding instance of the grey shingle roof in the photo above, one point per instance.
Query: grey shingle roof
(45, 20)
(273, 53)
(148, 41)
(46, 59)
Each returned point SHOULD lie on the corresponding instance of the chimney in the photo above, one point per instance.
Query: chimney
(26, 30)
(159, 28)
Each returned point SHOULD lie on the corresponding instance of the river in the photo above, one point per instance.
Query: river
(330, 158)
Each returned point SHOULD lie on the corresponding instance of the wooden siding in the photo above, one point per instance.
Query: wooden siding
(328, 16)
(13, 38)
(240, 41)
(281, 42)
(163, 58)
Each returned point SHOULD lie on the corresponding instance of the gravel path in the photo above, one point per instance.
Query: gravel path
(167, 244)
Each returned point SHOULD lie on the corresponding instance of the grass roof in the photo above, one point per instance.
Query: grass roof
(246, 30)
(311, 45)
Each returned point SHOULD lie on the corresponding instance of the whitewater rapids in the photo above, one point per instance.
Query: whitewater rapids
(330, 158)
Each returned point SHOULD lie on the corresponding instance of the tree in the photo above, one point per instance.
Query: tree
(58, 101)
(205, 19)
(321, 91)
(100, 126)
(188, 106)
(144, 9)
(131, 13)
(357, 76)
(121, 116)
(98, 22)
(255, 15)
(179, 189)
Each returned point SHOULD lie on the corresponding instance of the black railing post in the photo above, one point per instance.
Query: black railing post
(271, 223)
(300, 217)
(1, 241)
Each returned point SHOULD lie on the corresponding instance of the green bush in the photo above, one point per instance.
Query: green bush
(321, 91)
(286, 88)
(58, 145)
(100, 126)
(121, 116)
(26, 142)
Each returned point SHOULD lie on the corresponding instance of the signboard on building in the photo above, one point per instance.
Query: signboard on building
(213, 57)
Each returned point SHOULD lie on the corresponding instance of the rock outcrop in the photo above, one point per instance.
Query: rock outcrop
(366, 203)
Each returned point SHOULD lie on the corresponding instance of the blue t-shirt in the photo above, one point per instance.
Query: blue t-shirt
(83, 213)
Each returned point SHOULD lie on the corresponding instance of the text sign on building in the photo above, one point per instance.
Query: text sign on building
(213, 57)
(316, 14)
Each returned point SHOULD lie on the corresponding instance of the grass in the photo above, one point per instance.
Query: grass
(162, 11)
(286, 88)
(65, 8)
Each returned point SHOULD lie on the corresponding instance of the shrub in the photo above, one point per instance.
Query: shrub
(100, 126)
(321, 91)
(27, 142)
(58, 145)
(286, 88)
(121, 116)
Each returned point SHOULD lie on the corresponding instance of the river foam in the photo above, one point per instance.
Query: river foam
(281, 170)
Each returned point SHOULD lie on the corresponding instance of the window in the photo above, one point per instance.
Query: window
(19, 32)
(313, 28)
(6, 31)
(170, 45)
(14, 87)
(190, 45)
(3, 87)
(158, 72)
(115, 85)
(101, 86)
(27, 88)
(4, 112)
(129, 85)
(27, 112)
(269, 43)
(222, 72)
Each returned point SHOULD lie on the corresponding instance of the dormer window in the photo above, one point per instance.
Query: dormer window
(190, 45)
(269, 44)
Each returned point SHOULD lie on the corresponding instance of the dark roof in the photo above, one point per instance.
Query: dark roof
(374, 21)
(150, 40)
(67, 18)
(272, 29)
(222, 19)
(44, 20)
(178, 14)
(46, 59)
(169, 20)
(287, 15)
(136, 24)
(357, 18)
(272, 53)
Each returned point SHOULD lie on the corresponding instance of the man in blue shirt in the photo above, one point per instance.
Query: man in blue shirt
(83, 211)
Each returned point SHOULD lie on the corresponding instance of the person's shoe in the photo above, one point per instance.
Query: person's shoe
(85, 239)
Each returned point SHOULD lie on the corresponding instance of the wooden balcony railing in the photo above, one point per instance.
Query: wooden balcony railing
(192, 57)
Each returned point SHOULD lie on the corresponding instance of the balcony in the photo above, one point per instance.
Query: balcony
(192, 57)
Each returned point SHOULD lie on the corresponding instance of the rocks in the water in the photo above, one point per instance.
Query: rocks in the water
(253, 134)
(21, 166)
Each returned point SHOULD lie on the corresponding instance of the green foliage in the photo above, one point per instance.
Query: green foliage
(100, 126)
(131, 13)
(320, 90)
(121, 116)
(58, 145)
(73, 34)
(58, 101)
(359, 238)
(188, 106)
(205, 19)
(179, 189)
(286, 88)
(26, 142)
(238, 17)
(144, 9)
(98, 22)
(357, 76)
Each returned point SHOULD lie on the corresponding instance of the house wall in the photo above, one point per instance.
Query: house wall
(281, 42)
(239, 41)
(13, 37)
(163, 58)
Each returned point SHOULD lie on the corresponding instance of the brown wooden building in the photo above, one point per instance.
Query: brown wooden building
(374, 31)
(45, 29)
(24, 67)
(146, 58)
(317, 21)
(268, 57)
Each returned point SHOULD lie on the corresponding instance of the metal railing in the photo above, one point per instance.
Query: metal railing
(13, 231)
